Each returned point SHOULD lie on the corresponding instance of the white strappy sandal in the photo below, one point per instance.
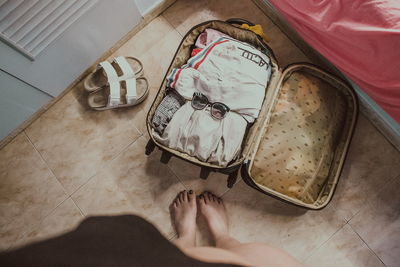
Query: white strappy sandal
(121, 67)
(134, 90)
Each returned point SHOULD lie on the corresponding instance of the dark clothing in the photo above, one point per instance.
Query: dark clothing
(105, 241)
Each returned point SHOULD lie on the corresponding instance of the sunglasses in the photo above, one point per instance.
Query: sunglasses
(218, 109)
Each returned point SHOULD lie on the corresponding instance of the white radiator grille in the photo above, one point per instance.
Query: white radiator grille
(31, 25)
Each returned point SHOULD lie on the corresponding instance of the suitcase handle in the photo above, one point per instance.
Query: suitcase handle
(239, 21)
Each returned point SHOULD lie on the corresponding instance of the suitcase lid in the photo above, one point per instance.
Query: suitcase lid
(308, 118)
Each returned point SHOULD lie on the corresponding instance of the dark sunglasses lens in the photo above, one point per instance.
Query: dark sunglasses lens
(199, 101)
(219, 110)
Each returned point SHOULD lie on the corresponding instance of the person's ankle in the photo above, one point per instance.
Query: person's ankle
(221, 238)
(186, 240)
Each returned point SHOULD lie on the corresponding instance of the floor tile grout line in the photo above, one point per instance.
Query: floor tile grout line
(125, 148)
(45, 162)
(368, 201)
(177, 177)
(51, 171)
(166, 19)
(390, 180)
(362, 239)
(353, 215)
(105, 166)
(313, 251)
(172, 237)
(26, 231)
(227, 190)
(137, 129)
(79, 208)
(53, 210)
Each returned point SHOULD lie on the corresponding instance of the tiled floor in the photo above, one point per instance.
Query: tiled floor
(73, 162)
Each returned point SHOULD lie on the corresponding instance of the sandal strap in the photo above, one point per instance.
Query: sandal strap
(131, 93)
(109, 70)
(114, 98)
(113, 82)
(127, 71)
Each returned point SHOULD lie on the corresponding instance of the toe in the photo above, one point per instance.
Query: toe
(184, 196)
(191, 196)
(181, 196)
(178, 196)
(176, 200)
(202, 200)
(210, 197)
(206, 198)
(174, 204)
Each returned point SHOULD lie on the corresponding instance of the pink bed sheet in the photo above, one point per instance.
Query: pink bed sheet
(360, 37)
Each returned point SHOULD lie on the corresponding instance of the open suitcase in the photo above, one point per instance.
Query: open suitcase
(295, 149)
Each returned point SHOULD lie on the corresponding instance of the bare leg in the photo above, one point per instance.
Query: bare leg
(213, 209)
(183, 212)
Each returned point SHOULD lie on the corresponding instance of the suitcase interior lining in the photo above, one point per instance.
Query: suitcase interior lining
(298, 156)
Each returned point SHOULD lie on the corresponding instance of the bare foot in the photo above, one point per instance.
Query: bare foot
(213, 210)
(183, 212)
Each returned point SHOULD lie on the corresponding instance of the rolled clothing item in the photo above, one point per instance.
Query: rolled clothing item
(166, 110)
(208, 36)
(198, 134)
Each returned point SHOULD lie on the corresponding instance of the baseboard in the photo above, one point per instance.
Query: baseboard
(376, 115)
(147, 18)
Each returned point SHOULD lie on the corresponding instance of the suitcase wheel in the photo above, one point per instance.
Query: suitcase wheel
(204, 172)
(150, 147)
(232, 178)
(165, 157)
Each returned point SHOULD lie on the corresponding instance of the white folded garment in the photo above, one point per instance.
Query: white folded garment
(227, 71)
(198, 134)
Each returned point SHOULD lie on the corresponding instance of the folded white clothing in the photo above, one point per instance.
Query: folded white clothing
(227, 71)
(198, 134)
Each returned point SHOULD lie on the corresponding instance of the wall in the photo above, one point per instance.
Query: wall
(146, 5)
(18, 101)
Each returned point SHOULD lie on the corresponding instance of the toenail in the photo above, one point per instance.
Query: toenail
(191, 192)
